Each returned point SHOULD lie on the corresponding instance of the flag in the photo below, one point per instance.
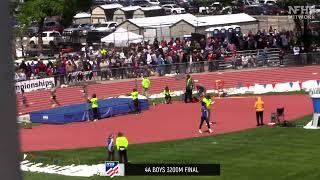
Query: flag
(113, 171)
(264, 85)
(300, 85)
(291, 84)
(318, 82)
(273, 85)
(248, 85)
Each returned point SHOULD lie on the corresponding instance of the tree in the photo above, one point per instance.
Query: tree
(72, 7)
(303, 33)
(38, 10)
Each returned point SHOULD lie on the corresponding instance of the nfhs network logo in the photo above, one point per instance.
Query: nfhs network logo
(114, 168)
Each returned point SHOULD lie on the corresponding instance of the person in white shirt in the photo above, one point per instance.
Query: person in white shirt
(104, 68)
(16, 76)
(149, 58)
(22, 76)
(110, 147)
(296, 53)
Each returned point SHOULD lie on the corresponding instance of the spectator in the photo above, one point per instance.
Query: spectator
(22, 76)
(296, 53)
(110, 148)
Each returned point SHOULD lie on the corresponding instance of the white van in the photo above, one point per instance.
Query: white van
(105, 26)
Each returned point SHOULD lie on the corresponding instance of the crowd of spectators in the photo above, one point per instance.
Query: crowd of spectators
(160, 57)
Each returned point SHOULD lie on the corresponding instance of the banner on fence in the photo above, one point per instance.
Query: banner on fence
(34, 84)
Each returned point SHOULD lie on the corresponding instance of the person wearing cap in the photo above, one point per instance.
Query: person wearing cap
(189, 87)
(94, 106)
(259, 106)
(167, 95)
(110, 148)
(145, 85)
(122, 146)
(134, 95)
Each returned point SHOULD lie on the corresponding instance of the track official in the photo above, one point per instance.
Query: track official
(189, 87)
(122, 146)
(134, 95)
(94, 106)
(145, 85)
(259, 106)
(167, 95)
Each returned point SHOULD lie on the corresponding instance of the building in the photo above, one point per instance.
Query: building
(245, 21)
(165, 27)
(124, 13)
(118, 13)
(104, 13)
(161, 26)
(82, 18)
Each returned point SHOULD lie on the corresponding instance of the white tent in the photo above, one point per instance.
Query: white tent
(122, 38)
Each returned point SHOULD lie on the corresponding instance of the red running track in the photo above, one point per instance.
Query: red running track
(72, 95)
(161, 123)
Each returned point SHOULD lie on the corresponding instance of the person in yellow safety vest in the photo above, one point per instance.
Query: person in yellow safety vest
(134, 95)
(103, 53)
(189, 87)
(94, 106)
(122, 146)
(167, 95)
(259, 106)
(208, 102)
(145, 85)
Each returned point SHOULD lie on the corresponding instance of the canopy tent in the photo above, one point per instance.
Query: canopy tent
(122, 38)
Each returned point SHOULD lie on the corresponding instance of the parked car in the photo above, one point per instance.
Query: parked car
(249, 2)
(211, 9)
(53, 26)
(257, 10)
(185, 4)
(141, 3)
(70, 30)
(74, 33)
(276, 10)
(270, 2)
(85, 29)
(105, 27)
(79, 29)
(49, 38)
(165, 2)
(33, 29)
(154, 2)
(47, 26)
(173, 9)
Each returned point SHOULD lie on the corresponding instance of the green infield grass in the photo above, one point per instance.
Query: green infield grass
(279, 153)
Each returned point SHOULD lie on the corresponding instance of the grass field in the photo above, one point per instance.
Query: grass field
(261, 153)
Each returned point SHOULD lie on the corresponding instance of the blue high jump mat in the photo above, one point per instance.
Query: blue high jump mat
(82, 112)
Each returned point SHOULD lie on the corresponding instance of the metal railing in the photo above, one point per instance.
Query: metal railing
(127, 71)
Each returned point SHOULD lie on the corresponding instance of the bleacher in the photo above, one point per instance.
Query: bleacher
(272, 58)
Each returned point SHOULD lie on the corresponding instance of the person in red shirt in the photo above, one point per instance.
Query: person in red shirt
(49, 71)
